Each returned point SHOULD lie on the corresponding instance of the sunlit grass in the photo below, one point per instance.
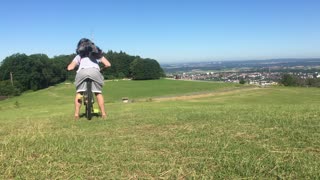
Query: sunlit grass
(264, 133)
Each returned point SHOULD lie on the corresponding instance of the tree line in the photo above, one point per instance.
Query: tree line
(20, 72)
(294, 80)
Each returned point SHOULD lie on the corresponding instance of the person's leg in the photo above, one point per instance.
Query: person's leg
(77, 105)
(101, 104)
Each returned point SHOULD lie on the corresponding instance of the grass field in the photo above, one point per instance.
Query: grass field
(231, 132)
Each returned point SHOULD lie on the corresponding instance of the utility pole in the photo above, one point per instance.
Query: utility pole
(11, 78)
(92, 36)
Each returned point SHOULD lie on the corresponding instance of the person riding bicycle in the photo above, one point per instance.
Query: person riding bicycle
(88, 58)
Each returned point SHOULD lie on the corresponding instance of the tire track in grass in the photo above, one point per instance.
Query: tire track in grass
(205, 94)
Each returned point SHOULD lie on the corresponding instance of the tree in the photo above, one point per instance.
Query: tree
(242, 81)
(59, 64)
(137, 69)
(7, 89)
(120, 64)
(121, 75)
(17, 64)
(289, 80)
(38, 71)
(144, 69)
(40, 74)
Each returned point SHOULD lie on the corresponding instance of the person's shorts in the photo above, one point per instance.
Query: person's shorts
(92, 73)
(96, 87)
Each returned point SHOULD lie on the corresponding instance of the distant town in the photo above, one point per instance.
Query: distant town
(263, 72)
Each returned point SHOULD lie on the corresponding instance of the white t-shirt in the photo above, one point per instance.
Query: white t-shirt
(86, 62)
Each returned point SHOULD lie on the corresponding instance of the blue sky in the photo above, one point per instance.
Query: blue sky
(165, 30)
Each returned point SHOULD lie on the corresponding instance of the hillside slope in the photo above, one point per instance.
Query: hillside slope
(230, 133)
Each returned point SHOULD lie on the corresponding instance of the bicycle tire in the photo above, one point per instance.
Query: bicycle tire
(89, 106)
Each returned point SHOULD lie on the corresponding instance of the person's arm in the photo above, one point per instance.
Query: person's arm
(105, 62)
(74, 63)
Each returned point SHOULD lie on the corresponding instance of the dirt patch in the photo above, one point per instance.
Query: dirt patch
(3, 97)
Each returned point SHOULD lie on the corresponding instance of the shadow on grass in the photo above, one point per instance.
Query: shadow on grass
(83, 115)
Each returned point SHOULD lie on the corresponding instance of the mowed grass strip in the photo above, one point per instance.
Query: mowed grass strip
(251, 134)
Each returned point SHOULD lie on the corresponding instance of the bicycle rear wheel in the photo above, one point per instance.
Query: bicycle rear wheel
(89, 106)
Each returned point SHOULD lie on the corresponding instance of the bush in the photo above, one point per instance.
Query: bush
(6, 89)
(110, 77)
(289, 80)
(242, 81)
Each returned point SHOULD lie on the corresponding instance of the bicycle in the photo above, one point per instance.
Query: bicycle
(88, 99)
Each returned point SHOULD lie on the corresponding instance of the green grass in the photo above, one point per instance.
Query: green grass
(262, 133)
(115, 90)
